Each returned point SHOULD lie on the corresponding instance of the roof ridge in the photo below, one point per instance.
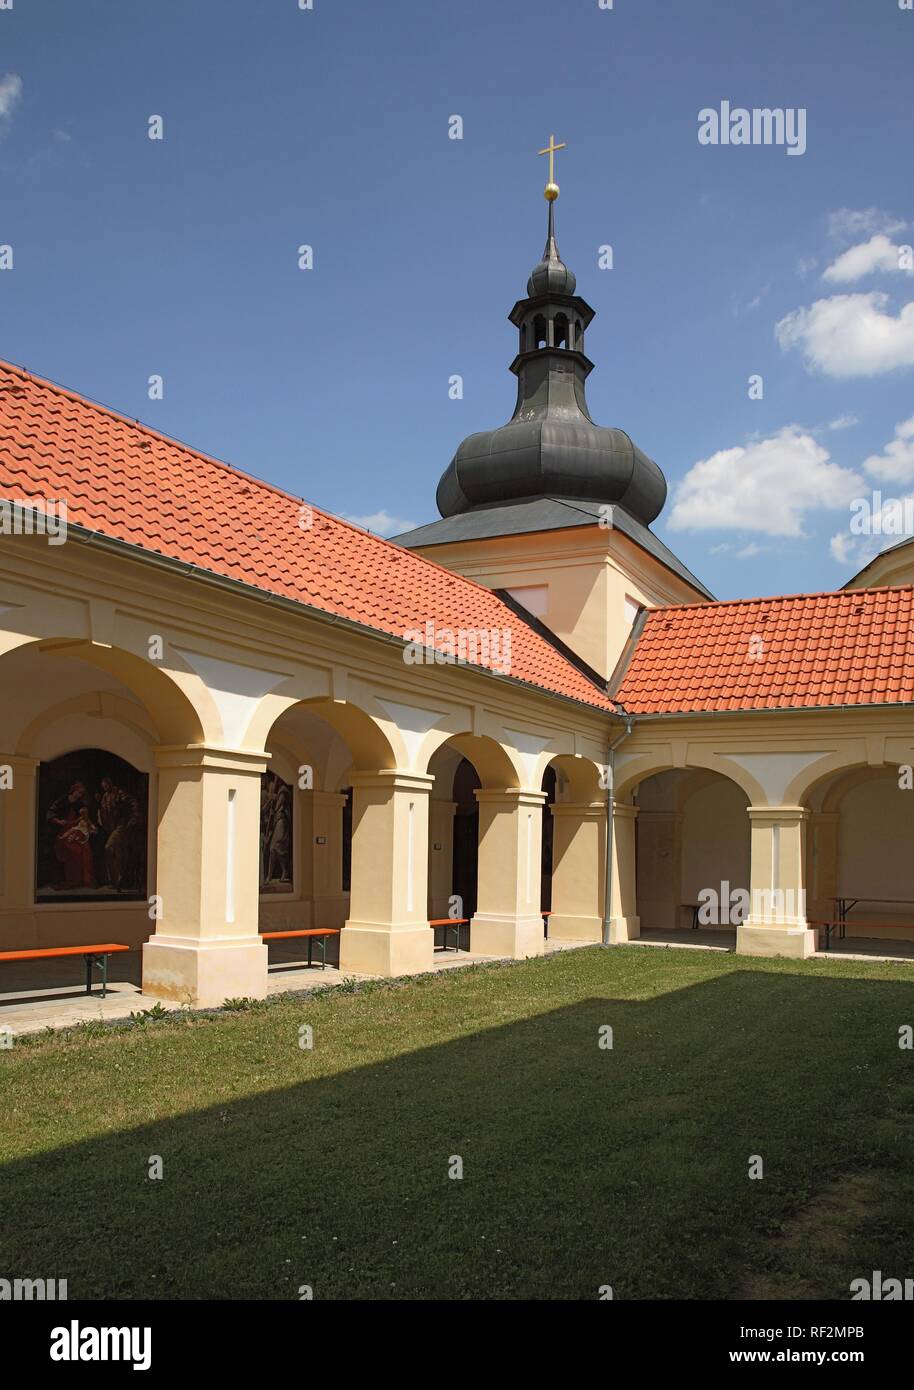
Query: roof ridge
(135, 423)
(391, 605)
(779, 598)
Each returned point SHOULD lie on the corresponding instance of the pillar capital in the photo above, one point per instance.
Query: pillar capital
(623, 811)
(27, 767)
(579, 810)
(393, 779)
(320, 798)
(509, 796)
(778, 815)
(211, 758)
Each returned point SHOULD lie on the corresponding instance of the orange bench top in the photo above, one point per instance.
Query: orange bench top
(106, 948)
(448, 921)
(302, 931)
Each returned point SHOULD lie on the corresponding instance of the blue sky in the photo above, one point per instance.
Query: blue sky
(329, 127)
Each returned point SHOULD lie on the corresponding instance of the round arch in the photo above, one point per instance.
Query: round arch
(647, 765)
(164, 694)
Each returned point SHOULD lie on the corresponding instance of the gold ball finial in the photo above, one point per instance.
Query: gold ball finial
(551, 191)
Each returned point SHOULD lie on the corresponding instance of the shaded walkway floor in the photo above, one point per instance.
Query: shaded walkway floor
(724, 939)
(52, 994)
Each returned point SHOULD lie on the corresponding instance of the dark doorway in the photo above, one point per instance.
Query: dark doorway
(548, 827)
(347, 841)
(466, 837)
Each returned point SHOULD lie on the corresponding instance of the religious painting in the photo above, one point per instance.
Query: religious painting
(93, 810)
(275, 834)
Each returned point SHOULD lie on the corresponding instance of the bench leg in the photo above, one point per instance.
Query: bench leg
(102, 962)
(310, 942)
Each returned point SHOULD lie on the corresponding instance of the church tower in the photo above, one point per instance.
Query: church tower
(551, 508)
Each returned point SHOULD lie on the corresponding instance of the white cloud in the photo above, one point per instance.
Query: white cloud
(741, 552)
(747, 552)
(887, 514)
(843, 422)
(856, 551)
(805, 265)
(879, 253)
(382, 523)
(766, 486)
(896, 462)
(851, 335)
(848, 225)
(10, 92)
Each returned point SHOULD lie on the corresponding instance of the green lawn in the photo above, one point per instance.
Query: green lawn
(582, 1166)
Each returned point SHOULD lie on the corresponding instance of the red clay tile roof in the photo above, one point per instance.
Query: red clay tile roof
(847, 648)
(126, 481)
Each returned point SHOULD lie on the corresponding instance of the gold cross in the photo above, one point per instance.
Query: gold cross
(551, 149)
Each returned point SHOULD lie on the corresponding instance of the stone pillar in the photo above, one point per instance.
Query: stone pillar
(17, 832)
(776, 925)
(324, 848)
(823, 864)
(625, 924)
(659, 858)
(508, 920)
(206, 946)
(441, 856)
(387, 932)
(578, 871)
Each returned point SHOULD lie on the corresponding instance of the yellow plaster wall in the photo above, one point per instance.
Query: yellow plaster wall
(589, 573)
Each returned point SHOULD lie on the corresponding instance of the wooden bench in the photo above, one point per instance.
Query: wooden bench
(840, 924)
(313, 934)
(94, 955)
(446, 922)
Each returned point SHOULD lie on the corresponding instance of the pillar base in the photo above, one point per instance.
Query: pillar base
(375, 949)
(565, 926)
(796, 942)
(492, 934)
(622, 929)
(203, 974)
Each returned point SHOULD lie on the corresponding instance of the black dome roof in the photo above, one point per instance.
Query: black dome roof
(551, 447)
(552, 457)
(551, 276)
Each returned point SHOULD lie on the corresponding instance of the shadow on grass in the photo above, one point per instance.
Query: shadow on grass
(581, 1166)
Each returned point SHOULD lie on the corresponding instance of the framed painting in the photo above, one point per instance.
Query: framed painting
(90, 835)
(276, 801)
